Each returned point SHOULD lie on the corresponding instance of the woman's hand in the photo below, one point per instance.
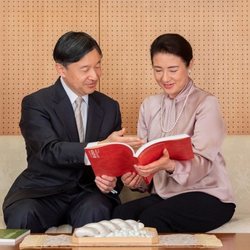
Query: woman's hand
(164, 163)
(133, 181)
(105, 183)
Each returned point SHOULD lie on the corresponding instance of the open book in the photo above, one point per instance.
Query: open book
(116, 159)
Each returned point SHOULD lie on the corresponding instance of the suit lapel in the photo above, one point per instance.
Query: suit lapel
(64, 111)
(95, 119)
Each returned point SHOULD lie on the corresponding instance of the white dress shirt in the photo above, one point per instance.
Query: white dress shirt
(72, 96)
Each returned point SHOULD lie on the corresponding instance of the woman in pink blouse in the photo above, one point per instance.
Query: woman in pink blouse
(185, 196)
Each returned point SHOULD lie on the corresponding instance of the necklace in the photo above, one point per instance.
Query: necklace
(164, 131)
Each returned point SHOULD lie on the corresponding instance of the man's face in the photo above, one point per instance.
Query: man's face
(82, 77)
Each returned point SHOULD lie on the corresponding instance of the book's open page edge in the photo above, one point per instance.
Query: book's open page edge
(111, 143)
(166, 138)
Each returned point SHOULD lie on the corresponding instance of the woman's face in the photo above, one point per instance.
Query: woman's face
(170, 72)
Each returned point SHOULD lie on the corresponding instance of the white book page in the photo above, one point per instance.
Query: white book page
(110, 143)
(167, 138)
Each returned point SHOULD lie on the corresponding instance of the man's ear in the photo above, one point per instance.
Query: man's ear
(60, 69)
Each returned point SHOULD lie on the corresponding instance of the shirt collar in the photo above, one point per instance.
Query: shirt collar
(72, 95)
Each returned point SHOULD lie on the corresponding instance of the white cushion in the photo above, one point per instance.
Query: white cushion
(238, 224)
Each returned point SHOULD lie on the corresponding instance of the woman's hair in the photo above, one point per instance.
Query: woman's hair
(173, 44)
(72, 46)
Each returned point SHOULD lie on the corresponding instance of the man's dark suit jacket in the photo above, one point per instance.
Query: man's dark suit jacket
(54, 155)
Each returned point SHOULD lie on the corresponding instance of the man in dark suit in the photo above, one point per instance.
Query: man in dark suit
(58, 186)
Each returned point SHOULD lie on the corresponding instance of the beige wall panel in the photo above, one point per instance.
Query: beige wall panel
(29, 31)
(218, 31)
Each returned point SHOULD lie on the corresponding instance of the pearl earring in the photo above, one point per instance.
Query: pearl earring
(189, 71)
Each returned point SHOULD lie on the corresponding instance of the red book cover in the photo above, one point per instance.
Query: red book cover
(116, 159)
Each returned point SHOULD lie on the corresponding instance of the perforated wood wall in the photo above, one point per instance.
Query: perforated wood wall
(218, 31)
(29, 31)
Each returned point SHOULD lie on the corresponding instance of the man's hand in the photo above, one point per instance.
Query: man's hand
(119, 136)
(105, 183)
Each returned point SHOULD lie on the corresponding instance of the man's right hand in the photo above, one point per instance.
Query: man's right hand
(119, 136)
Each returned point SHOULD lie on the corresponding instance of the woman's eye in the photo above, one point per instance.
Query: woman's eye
(158, 70)
(85, 69)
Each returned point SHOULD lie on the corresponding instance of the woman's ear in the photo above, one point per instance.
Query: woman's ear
(191, 63)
